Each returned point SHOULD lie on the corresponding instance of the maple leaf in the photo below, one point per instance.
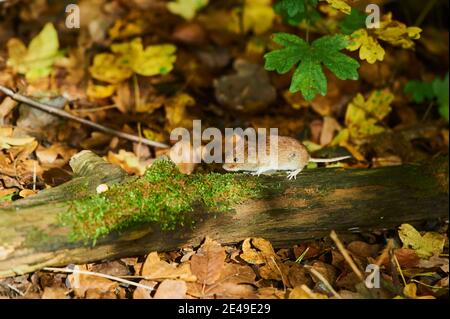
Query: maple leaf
(186, 8)
(37, 60)
(369, 48)
(425, 246)
(390, 31)
(131, 57)
(309, 77)
(397, 33)
(362, 116)
(420, 91)
(428, 91)
(440, 88)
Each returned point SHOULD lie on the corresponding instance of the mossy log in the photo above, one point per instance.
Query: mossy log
(282, 211)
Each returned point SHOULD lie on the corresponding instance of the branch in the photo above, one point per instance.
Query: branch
(54, 111)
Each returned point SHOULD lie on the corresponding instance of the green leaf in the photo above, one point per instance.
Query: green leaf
(352, 22)
(420, 91)
(284, 59)
(428, 91)
(309, 77)
(296, 11)
(343, 66)
(440, 88)
(290, 7)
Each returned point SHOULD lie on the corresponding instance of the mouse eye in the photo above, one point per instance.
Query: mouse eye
(292, 155)
(236, 160)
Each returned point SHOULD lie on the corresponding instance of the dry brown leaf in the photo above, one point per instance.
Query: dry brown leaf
(326, 270)
(129, 162)
(298, 275)
(329, 128)
(171, 289)
(143, 293)
(156, 269)
(89, 286)
(236, 281)
(434, 261)
(208, 262)
(407, 258)
(363, 249)
(56, 155)
(261, 252)
(270, 293)
(54, 293)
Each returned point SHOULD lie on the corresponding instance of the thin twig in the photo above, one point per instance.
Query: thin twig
(346, 255)
(15, 289)
(54, 111)
(85, 272)
(319, 276)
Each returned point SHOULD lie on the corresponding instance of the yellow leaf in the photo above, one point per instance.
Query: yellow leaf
(425, 246)
(100, 91)
(129, 162)
(340, 5)
(7, 142)
(369, 48)
(362, 116)
(176, 113)
(37, 60)
(258, 16)
(130, 57)
(186, 8)
(156, 59)
(397, 33)
(7, 139)
(109, 68)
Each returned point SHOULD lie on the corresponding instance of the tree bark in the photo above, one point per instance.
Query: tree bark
(320, 200)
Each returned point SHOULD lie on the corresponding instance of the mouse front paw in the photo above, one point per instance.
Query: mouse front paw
(293, 175)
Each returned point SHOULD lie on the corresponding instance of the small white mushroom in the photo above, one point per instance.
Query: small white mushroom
(102, 188)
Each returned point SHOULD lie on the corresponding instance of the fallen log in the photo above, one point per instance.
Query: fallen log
(32, 235)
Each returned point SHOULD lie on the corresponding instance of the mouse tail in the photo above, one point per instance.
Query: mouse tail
(328, 160)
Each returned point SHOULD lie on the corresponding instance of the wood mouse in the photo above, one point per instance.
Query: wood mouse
(292, 157)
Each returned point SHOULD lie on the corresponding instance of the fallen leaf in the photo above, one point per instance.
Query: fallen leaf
(129, 162)
(55, 293)
(300, 293)
(207, 264)
(261, 252)
(156, 269)
(143, 293)
(37, 60)
(89, 286)
(186, 8)
(171, 289)
(425, 246)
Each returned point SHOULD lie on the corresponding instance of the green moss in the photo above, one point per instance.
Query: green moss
(163, 196)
